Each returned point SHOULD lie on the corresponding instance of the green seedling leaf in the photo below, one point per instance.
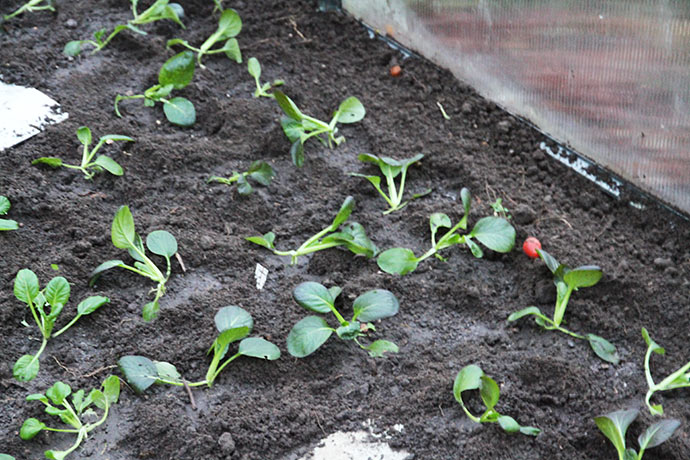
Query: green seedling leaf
(603, 348)
(354, 237)
(58, 392)
(6, 457)
(4, 205)
(107, 265)
(474, 248)
(313, 296)
(91, 304)
(657, 433)
(292, 129)
(254, 68)
(31, 428)
(297, 153)
(530, 430)
(73, 48)
(656, 348)
(162, 243)
(466, 198)
(585, 276)
(53, 162)
(375, 304)
(379, 347)
(178, 71)
(397, 261)
(56, 454)
(495, 233)
(489, 392)
(110, 393)
(228, 336)
(349, 331)
(57, 291)
(233, 317)
(265, 241)
(258, 348)
(7, 224)
(180, 111)
(109, 165)
(345, 210)
(614, 426)
(123, 233)
(167, 371)
(150, 311)
(243, 186)
(38, 397)
(84, 135)
(307, 336)
(261, 172)
(550, 261)
(350, 111)
(508, 424)
(139, 371)
(232, 50)
(289, 107)
(438, 220)
(26, 368)
(26, 285)
(524, 312)
(469, 378)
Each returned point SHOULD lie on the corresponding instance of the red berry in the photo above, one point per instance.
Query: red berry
(530, 247)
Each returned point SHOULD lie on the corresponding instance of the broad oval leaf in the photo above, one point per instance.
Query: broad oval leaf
(439, 220)
(615, 424)
(177, 71)
(603, 348)
(72, 48)
(91, 304)
(375, 304)
(139, 371)
(31, 428)
(58, 392)
(232, 317)
(180, 111)
(57, 291)
(84, 135)
(377, 348)
(658, 433)
(257, 347)
(254, 67)
(265, 240)
(292, 128)
(350, 331)
(53, 162)
(350, 110)
(150, 311)
(162, 243)
(232, 50)
(8, 224)
(307, 336)
(26, 368)
(508, 424)
(289, 107)
(109, 165)
(549, 260)
(261, 172)
(469, 378)
(229, 24)
(495, 233)
(343, 213)
(489, 392)
(26, 285)
(122, 232)
(167, 371)
(584, 276)
(107, 265)
(397, 261)
(225, 338)
(4, 205)
(313, 296)
(110, 392)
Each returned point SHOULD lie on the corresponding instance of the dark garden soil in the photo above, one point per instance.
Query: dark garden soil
(452, 314)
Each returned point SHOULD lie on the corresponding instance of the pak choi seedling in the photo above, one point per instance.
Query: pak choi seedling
(299, 128)
(351, 235)
(159, 242)
(391, 169)
(678, 379)
(233, 324)
(568, 280)
(176, 73)
(30, 7)
(472, 377)
(75, 414)
(46, 305)
(160, 10)
(229, 25)
(615, 425)
(313, 331)
(90, 166)
(495, 233)
(254, 68)
(6, 224)
(259, 171)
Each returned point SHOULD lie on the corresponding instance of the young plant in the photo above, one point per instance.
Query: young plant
(391, 168)
(254, 68)
(615, 424)
(299, 128)
(500, 210)
(233, 324)
(159, 242)
(260, 171)
(313, 331)
(30, 7)
(568, 280)
(176, 73)
(90, 166)
(54, 295)
(495, 233)
(678, 379)
(351, 235)
(76, 414)
(160, 10)
(6, 224)
(229, 25)
(472, 377)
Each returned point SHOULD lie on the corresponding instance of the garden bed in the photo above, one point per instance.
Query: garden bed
(451, 313)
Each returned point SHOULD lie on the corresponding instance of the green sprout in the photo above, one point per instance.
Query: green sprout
(6, 224)
(678, 379)
(259, 171)
(254, 68)
(229, 25)
(30, 7)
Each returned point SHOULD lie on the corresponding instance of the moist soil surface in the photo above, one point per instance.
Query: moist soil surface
(451, 313)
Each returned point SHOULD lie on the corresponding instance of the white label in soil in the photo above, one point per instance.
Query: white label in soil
(357, 445)
(261, 275)
(24, 112)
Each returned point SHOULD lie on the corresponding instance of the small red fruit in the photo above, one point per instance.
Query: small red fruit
(396, 71)
(530, 247)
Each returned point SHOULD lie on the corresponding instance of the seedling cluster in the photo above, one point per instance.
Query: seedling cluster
(259, 171)
(6, 224)
(229, 25)
(30, 7)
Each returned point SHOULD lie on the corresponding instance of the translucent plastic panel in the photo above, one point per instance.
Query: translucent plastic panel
(611, 78)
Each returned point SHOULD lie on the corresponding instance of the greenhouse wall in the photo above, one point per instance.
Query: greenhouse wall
(611, 79)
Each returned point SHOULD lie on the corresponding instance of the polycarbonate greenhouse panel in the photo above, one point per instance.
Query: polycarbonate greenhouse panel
(610, 78)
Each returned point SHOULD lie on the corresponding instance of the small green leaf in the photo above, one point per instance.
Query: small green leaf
(375, 304)
(150, 311)
(524, 312)
(123, 233)
(180, 111)
(530, 430)
(243, 186)
(657, 433)
(307, 336)
(57, 291)
(115, 137)
(8, 224)
(162, 243)
(58, 392)
(167, 371)
(84, 135)
(261, 172)
(91, 304)
(469, 378)
(31, 428)
(26, 368)
(6, 457)
(614, 426)
(350, 110)
(109, 165)
(177, 71)
(603, 348)
(232, 50)
(56, 454)
(107, 265)
(139, 371)
(297, 153)
(584, 276)
(265, 241)
(495, 233)
(225, 338)
(438, 220)
(397, 261)
(232, 317)
(4, 205)
(259, 348)
(313, 296)
(466, 198)
(474, 248)
(254, 67)
(38, 397)
(379, 347)
(72, 48)
(292, 128)
(350, 331)
(549, 260)
(489, 392)
(355, 238)
(229, 24)
(288, 106)
(26, 285)
(53, 162)
(656, 348)
(508, 424)
(343, 213)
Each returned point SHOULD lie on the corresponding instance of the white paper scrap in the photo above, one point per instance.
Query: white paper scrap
(261, 275)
